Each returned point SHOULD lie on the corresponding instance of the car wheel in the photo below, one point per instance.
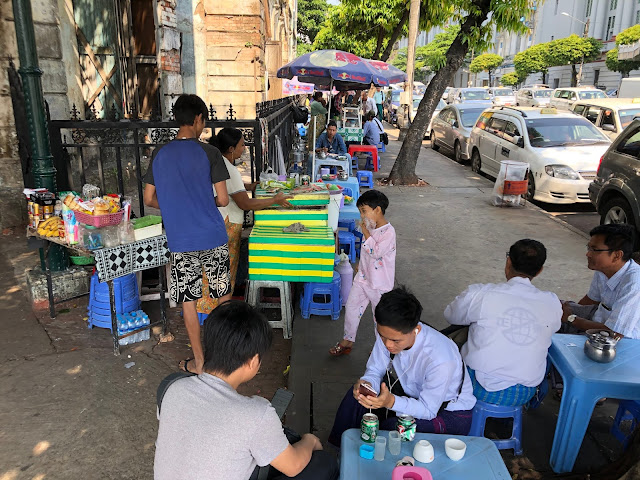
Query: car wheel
(476, 163)
(457, 152)
(432, 137)
(617, 210)
(531, 188)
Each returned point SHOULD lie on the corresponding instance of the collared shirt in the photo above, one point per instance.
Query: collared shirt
(372, 132)
(510, 329)
(369, 106)
(619, 298)
(377, 267)
(378, 97)
(335, 146)
(317, 108)
(430, 373)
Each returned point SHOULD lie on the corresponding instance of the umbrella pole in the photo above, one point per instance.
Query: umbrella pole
(330, 101)
(313, 147)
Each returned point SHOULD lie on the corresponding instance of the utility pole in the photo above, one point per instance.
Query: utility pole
(414, 20)
(44, 173)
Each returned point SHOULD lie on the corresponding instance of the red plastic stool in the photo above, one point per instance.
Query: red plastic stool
(372, 149)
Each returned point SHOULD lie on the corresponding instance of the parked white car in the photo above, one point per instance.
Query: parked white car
(565, 97)
(611, 115)
(533, 97)
(464, 95)
(562, 149)
(451, 128)
(502, 96)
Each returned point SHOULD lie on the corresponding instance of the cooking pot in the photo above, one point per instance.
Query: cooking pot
(600, 346)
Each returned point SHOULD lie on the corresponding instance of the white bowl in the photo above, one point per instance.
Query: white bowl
(454, 448)
(423, 452)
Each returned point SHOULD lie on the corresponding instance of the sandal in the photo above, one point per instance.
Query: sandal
(339, 349)
(185, 366)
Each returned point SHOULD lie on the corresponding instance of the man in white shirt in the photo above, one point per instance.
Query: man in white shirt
(415, 370)
(368, 104)
(510, 328)
(613, 300)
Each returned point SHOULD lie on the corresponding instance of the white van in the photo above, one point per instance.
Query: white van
(563, 98)
(629, 88)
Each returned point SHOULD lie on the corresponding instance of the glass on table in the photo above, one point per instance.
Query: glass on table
(395, 443)
(380, 447)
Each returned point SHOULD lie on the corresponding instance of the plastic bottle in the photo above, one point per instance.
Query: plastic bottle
(346, 276)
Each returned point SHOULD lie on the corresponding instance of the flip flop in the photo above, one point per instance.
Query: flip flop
(339, 350)
(184, 367)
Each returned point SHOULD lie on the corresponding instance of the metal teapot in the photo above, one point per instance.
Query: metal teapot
(600, 346)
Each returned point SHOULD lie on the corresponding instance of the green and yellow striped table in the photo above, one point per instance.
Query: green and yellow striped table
(316, 217)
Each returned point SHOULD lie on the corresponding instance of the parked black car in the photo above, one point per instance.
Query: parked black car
(615, 191)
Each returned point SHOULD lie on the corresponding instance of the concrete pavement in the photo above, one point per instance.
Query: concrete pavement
(449, 236)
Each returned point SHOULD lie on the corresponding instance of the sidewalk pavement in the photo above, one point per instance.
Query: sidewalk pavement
(449, 236)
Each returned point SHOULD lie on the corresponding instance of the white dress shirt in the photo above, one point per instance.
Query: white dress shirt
(510, 329)
(430, 374)
(619, 298)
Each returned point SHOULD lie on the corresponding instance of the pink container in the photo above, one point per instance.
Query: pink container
(411, 473)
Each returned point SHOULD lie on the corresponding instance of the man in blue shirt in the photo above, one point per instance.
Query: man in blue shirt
(412, 370)
(331, 141)
(179, 182)
(372, 130)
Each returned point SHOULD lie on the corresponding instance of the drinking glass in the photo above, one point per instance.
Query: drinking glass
(380, 447)
(395, 443)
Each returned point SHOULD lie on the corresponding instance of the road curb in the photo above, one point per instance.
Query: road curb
(558, 220)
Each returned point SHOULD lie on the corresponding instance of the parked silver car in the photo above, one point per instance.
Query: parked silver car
(533, 97)
(463, 95)
(452, 126)
(503, 96)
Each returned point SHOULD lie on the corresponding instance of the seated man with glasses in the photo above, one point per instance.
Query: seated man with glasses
(510, 328)
(613, 300)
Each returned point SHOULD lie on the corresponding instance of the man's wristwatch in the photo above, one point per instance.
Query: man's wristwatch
(571, 318)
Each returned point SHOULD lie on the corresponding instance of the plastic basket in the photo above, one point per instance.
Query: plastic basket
(100, 220)
(82, 260)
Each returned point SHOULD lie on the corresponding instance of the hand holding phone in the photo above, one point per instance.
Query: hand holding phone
(367, 390)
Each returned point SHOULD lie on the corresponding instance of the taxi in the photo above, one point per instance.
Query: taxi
(610, 115)
(562, 149)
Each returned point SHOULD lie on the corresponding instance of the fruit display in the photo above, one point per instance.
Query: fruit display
(97, 206)
(51, 227)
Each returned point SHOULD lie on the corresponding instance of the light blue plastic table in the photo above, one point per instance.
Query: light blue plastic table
(351, 182)
(482, 459)
(585, 382)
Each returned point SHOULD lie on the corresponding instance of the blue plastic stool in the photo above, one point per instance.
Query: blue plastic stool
(381, 148)
(627, 410)
(365, 178)
(350, 225)
(369, 163)
(127, 300)
(483, 410)
(347, 239)
(330, 293)
(359, 239)
(354, 162)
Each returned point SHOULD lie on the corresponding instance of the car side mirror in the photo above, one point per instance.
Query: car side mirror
(607, 127)
(455, 124)
(519, 141)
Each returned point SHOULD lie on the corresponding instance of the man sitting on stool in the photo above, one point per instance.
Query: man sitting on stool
(510, 328)
(331, 141)
(208, 430)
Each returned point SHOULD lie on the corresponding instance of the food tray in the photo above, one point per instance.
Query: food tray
(99, 220)
(147, 232)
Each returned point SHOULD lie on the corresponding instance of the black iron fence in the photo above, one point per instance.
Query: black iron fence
(114, 154)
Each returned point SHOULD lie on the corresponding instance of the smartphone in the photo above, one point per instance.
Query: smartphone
(366, 390)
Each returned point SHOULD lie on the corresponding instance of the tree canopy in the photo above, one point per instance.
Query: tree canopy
(572, 50)
(487, 62)
(370, 28)
(625, 37)
(510, 79)
(311, 17)
(532, 60)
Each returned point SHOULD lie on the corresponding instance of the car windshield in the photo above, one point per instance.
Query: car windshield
(591, 94)
(469, 116)
(441, 105)
(563, 131)
(627, 116)
(476, 95)
(542, 93)
(503, 92)
(395, 96)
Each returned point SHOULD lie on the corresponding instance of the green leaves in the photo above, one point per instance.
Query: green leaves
(431, 57)
(510, 79)
(572, 50)
(486, 62)
(626, 37)
(533, 59)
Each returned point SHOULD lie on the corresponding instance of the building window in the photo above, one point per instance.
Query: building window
(589, 5)
(638, 16)
(613, 5)
(552, 37)
(610, 22)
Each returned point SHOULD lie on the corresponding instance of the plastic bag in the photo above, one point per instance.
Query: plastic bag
(267, 176)
(512, 171)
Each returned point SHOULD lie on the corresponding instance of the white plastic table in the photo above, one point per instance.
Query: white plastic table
(482, 459)
(585, 382)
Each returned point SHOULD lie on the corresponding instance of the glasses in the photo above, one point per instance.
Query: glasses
(596, 250)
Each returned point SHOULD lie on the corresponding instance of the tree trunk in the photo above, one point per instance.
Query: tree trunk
(379, 41)
(404, 168)
(574, 75)
(394, 36)
(544, 77)
(490, 79)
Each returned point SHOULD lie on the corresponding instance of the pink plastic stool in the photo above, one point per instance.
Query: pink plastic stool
(411, 473)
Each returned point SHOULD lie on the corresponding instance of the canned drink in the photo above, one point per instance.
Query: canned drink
(37, 209)
(369, 427)
(406, 427)
(35, 221)
(305, 180)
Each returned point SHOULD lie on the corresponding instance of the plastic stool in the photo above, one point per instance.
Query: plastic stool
(483, 410)
(285, 305)
(369, 163)
(127, 300)
(330, 306)
(365, 178)
(347, 239)
(350, 225)
(354, 162)
(627, 410)
(381, 148)
(359, 239)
